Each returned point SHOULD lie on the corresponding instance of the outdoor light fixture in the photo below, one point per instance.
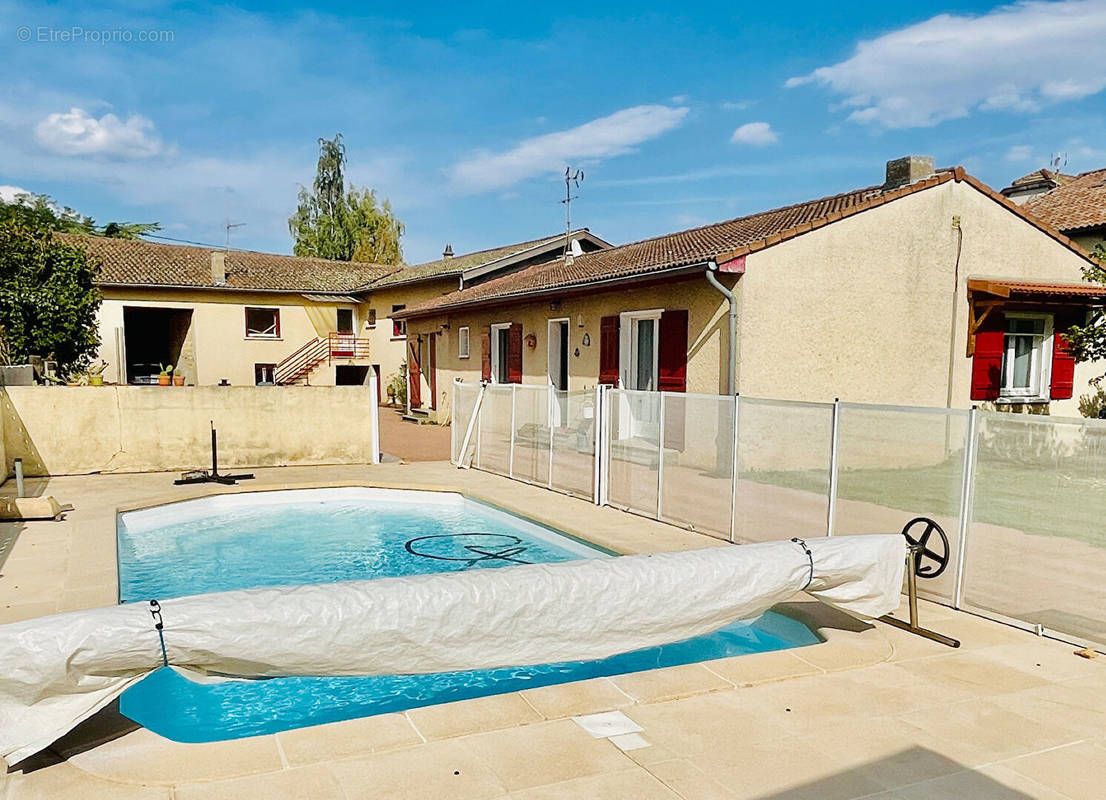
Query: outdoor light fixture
(579, 320)
(587, 340)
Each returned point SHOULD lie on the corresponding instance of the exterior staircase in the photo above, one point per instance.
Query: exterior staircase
(298, 367)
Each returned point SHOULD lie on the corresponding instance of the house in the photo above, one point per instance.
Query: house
(928, 289)
(1022, 190)
(228, 316)
(246, 318)
(1076, 207)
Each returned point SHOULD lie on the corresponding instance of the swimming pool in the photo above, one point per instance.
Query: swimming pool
(327, 535)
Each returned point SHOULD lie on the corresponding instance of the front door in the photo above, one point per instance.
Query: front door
(639, 348)
(558, 368)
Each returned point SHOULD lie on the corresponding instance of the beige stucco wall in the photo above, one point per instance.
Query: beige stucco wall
(75, 430)
(706, 313)
(388, 351)
(862, 309)
(219, 344)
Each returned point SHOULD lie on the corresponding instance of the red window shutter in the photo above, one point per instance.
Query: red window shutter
(608, 350)
(987, 362)
(514, 353)
(486, 354)
(414, 375)
(1063, 369)
(672, 352)
(431, 371)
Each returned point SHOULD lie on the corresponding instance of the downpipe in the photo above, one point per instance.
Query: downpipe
(731, 370)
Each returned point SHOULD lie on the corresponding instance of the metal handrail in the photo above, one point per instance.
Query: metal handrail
(317, 350)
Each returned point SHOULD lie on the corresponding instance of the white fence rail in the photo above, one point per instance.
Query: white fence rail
(1022, 498)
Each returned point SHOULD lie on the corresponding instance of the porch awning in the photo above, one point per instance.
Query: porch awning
(1003, 288)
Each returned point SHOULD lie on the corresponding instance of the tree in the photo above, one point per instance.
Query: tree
(331, 222)
(1088, 342)
(48, 301)
(39, 212)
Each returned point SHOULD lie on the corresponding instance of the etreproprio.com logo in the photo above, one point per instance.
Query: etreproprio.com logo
(77, 34)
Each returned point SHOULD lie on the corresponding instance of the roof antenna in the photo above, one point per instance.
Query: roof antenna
(1058, 161)
(571, 179)
(228, 226)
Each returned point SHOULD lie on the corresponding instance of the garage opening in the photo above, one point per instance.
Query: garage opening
(156, 336)
(351, 375)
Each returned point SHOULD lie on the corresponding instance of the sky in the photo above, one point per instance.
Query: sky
(465, 115)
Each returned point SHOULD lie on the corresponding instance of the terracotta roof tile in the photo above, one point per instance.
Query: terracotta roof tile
(444, 267)
(135, 262)
(1075, 205)
(721, 242)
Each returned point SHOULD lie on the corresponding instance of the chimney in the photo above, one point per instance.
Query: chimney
(908, 169)
(448, 252)
(219, 268)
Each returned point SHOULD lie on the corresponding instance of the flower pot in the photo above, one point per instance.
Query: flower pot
(95, 380)
(178, 380)
(163, 380)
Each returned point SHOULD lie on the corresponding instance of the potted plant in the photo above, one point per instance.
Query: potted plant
(96, 374)
(178, 378)
(163, 378)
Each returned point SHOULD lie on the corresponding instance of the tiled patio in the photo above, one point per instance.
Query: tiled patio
(872, 712)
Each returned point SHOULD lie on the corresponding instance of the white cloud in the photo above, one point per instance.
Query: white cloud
(9, 193)
(78, 133)
(757, 134)
(1019, 153)
(608, 136)
(1019, 57)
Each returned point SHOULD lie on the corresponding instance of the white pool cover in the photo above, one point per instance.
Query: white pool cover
(56, 671)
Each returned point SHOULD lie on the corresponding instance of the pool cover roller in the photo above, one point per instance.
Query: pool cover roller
(58, 670)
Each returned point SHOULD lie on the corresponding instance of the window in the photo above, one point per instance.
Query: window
(264, 374)
(463, 342)
(345, 320)
(639, 348)
(1024, 362)
(399, 326)
(262, 323)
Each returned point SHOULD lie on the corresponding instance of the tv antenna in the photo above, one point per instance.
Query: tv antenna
(571, 179)
(228, 226)
(1058, 161)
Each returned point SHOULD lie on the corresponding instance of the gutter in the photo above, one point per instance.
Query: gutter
(731, 347)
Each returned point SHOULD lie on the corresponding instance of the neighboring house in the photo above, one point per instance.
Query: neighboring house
(930, 289)
(1076, 207)
(249, 318)
(237, 316)
(411, 286)
(1027, 187)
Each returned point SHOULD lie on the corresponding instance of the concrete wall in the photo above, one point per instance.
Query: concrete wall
(78, 430)
(220, 348)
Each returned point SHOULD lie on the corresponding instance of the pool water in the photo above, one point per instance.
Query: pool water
(326, 535)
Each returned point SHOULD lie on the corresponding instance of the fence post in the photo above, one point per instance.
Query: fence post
(733, 469)
(831, 509)
(967, 500)
(660, 457)
(511, 451)
(374, 420)
(549, 417)
(604, 446)
(597, 434)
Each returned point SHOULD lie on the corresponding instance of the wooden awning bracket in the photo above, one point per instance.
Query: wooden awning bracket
(977, 313)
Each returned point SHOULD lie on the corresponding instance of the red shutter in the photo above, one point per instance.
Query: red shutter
(1063, 369)
(486, 354)
(987, 361)
(608, 350)
(414, 375)
(514, 353)
(431, 372)
(672, 352)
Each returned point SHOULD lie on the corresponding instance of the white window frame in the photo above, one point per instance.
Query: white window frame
(464, 342)
(628, 344)
(1041, 366)
(276, 336)
(495, 329)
